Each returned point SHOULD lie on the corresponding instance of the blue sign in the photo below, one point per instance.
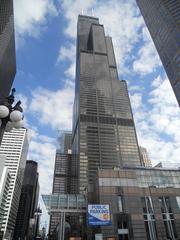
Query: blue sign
(98, 214)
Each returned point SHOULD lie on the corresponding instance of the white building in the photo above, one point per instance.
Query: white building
(14, 146)
(5, 179)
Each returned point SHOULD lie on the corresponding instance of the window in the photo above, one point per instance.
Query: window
(120, 204)
(178, 201)
(168, 217)
(149, 218)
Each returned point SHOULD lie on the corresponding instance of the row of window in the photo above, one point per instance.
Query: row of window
(149, 216)
(106, 120)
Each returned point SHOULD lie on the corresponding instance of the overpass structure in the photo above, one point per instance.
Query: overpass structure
(68, 203)
(65, 205)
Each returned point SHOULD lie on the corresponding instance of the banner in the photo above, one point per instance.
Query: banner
(98, 214)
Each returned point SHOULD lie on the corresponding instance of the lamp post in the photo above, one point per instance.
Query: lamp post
(10, 116)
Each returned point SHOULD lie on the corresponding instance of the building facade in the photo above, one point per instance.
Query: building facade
(5, 179)
(162, 18)
(62, 174)
(144, 203)
(28, 200)
(14, 146)
(103, 128)
(7, 48)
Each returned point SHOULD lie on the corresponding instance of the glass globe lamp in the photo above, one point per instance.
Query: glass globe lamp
(4, 111)
(16, 116)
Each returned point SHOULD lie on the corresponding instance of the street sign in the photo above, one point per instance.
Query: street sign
(98, 214)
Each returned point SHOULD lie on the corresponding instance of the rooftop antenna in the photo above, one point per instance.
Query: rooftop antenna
(82, 11)
(92, 12)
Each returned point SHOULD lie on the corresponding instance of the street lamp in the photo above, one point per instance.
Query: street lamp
(10, 117)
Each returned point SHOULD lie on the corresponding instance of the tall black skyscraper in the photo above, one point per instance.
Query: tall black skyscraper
(144, 202)
(104, 134)
(162, 18)
(7, 48)
(28, 200)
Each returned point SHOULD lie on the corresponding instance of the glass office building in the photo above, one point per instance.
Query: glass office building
(103, 128)
(162, 18)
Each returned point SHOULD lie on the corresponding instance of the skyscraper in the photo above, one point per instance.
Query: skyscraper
(62, 173)
(14, 146)
(104, 134)
(145, 160)
(144, 202)
(61, 181)
(7, 48)
(28, 200)
(162, 18)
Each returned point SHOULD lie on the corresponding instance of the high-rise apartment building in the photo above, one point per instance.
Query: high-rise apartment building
(162, 18)
(7, 48)
(28, 200)
(104, 134)
(14, 146)
(145, 160)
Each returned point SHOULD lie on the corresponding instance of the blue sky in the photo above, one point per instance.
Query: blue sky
(45, 42)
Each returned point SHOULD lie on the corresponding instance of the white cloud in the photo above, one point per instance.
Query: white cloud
(71, 9)
(70, 72)
(147, 59)
(136, 100)
(124, 28)
(68, 53)
(134, 88)
(162, 95)
(42, 149)
(31, 16)
(44, 153)
(53, 108)
(158, 124)
(165, 112)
